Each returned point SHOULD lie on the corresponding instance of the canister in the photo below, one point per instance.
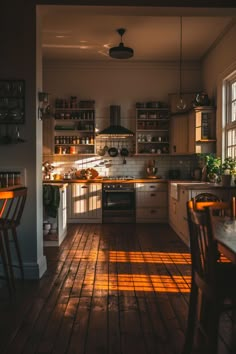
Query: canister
(72, 149)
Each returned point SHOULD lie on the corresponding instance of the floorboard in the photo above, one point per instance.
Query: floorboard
(108, 289)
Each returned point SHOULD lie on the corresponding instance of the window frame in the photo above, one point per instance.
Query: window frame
(228, 125)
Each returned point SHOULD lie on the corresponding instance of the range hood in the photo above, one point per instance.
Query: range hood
(115, 130)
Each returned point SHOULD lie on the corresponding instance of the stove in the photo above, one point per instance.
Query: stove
(118, 200)
(118, 178)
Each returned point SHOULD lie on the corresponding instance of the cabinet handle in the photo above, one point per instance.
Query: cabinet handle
(151, 186)
(153, 211)
(152, 195)
(84, 187)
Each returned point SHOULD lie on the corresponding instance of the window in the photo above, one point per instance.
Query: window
(230, 117)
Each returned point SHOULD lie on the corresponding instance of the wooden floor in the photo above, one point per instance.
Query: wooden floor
(109, 289)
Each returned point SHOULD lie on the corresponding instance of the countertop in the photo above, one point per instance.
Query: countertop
(201, 185)
(61, 185)
(186, 184)
(102, 180)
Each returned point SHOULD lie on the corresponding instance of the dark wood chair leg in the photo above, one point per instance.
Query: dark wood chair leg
(191, 321)
(5, 267)
(9, 258)
(213, 326)
(14, 235)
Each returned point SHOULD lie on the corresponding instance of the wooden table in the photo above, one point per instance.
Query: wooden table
(225, 234)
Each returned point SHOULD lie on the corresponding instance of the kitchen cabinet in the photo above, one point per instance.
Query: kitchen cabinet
(202, 130)
(85, 203)
(58, 224)
(152, 131)
(193, 132)
(151, 202)
(179, 133)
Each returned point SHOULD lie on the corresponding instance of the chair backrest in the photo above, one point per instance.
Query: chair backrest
(234, 207)
(11, 206)
(204, 200)
(203, 246)
(206, 197)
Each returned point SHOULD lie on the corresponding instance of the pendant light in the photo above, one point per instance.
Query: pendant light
(121, 52)
(181, 104)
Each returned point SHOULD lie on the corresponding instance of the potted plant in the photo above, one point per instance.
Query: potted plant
(228, 169)
(211, 167)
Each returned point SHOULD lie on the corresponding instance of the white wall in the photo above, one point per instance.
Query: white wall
(220, 62)
(18, 61)
(118, 83)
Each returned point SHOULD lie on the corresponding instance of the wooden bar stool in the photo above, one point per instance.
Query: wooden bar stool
(11, 209)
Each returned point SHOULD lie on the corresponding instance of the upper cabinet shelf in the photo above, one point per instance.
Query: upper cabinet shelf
(74, 127)
(202, 123)
(152, 130)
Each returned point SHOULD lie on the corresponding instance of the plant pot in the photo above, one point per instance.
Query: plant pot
(212, 177)
(226, 180)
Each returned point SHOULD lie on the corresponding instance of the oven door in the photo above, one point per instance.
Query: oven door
(118, 206)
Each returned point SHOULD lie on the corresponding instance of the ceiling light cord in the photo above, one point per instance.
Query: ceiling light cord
(181, 105)
(180, 57)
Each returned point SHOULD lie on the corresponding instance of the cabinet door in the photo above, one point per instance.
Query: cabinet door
(85, 201)
(202, 130)
(173, 212)
(179, 134)
(62, 216)
(182, 222)
(95, 200)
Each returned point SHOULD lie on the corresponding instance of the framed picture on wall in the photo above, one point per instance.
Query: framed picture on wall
(12, 101)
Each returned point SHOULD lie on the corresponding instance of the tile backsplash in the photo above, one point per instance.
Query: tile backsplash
(133, 166)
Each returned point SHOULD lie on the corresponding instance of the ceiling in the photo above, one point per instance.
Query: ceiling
(81, 33)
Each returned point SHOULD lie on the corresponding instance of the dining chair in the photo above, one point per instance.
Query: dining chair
(206, 197)
(211, 280)
(11, 209)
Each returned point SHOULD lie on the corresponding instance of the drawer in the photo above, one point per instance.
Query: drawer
(151, 213)
(151, 199)
(148, 187)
